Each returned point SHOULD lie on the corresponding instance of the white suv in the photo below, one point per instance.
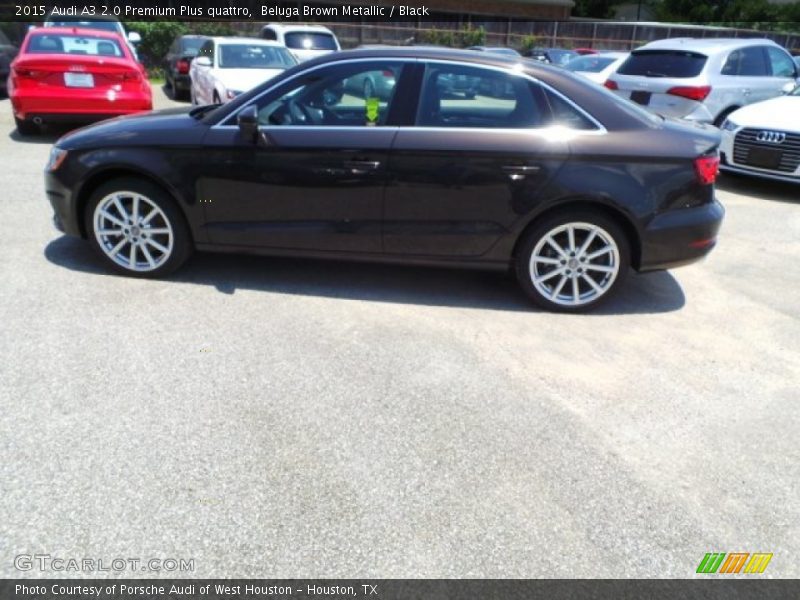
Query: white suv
(303, 41)
(704, 79)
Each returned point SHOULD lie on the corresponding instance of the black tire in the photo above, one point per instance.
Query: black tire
(182, 246)
(26, 127)
(723, 115)
(571, 267)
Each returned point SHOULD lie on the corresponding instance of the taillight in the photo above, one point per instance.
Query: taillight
(388, 74)
(692, 92)
(611, 84)
(126, 76)
(183, 66)
(23, 73)
(707, 168)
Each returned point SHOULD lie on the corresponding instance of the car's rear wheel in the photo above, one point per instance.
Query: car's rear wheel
(26, 127)
(137, 228)
(573, 261)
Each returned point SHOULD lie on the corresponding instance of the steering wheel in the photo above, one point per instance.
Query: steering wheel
(298, 113)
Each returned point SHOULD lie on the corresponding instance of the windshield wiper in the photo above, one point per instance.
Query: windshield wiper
(655, 74)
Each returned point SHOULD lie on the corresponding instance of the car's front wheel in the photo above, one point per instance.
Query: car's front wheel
(137, 228)
(573, 261)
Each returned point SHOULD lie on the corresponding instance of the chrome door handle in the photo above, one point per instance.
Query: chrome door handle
(519, 172)
(362, 167)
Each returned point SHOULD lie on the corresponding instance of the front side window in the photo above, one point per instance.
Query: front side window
(207, 50)
(463, 96)
(781, 63)
(350, 95)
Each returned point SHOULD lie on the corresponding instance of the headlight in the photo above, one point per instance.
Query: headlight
(728, 125)
(57, 156)
(232, 94)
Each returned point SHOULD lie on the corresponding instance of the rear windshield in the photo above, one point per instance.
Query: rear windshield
(589, 64)
(73, 44)
(663, 63)
(307, 40)
(252, 56)
(102, 25)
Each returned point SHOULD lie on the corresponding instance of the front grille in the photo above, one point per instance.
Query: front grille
(745, 142)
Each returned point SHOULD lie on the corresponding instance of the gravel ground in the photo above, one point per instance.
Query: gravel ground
(287, 418)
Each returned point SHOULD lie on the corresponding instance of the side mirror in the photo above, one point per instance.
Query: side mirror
(788, 88)
(247, 120)
(134, 37)
(202, 61)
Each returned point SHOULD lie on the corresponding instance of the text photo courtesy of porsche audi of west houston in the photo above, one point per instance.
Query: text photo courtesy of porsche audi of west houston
(399, 299)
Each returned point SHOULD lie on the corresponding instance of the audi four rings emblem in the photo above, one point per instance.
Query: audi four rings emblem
(773, 137)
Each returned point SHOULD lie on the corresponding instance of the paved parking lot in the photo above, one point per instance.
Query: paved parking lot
(275, 417)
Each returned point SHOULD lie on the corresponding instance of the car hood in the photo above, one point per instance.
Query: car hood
(781, 113)
(174, 124)
(244, 80)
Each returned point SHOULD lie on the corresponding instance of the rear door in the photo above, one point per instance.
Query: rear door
(472, 164)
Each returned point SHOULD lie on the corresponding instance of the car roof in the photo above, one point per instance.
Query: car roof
(299, 27)
(709, 45)
(73, 30)
(437, 53)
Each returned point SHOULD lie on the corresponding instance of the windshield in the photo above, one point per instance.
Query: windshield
(46, 43)
(310, 40)
(251, 56)
(591, 63)
(102, 25)
(192, 46)
(663, 63)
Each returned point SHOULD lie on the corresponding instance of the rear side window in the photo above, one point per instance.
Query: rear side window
(750, 62)
(663, 63)
(461, 96)
(564, 114)
(269, 34)
(307, 40)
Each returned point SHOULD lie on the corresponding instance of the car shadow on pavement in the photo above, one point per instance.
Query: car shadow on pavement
(641, 294)
(763, 189)
(49, 135)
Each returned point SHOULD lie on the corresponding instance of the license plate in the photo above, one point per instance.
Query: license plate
(79, 80)
(642, 98)
(766, 158)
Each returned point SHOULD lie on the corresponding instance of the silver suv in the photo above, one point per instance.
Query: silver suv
(704, 79)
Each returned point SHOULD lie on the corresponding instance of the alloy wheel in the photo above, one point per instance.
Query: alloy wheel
(133, 231)
(574, 264)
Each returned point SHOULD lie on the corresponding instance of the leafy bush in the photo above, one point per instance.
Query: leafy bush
(157, 36)
(528, 43)
(466, 36)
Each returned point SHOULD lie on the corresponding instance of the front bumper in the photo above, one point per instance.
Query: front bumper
(63, 202)
(680, 237)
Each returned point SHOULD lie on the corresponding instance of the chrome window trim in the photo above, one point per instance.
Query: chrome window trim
(599, 130)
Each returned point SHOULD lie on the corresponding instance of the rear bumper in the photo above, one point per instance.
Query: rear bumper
(680, 237)
(27, 105)
(182, 82)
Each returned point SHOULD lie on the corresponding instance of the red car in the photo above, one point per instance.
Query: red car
(75, 75)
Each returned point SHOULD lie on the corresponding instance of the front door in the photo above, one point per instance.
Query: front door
(315, 179)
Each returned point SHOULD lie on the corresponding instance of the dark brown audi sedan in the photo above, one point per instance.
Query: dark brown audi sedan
(535, 170)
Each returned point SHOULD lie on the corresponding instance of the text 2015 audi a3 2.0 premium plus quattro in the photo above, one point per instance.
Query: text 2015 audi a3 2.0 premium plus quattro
(539, 170)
